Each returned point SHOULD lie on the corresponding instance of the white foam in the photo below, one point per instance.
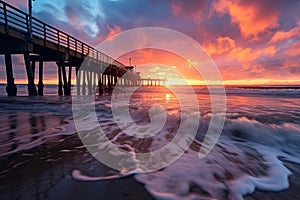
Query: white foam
(276, 180)
(221, 171)
(78, 175)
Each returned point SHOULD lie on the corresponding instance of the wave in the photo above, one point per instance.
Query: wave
(242, 91)
(249, 155)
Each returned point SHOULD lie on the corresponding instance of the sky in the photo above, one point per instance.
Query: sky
(250, 41)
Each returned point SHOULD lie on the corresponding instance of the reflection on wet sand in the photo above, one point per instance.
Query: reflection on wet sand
(25, 172)
(39, 149)
(31, 174)
(19, 128)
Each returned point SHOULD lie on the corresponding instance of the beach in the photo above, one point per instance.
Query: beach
(256, 156)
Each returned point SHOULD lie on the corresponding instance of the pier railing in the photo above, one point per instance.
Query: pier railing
(14, 18)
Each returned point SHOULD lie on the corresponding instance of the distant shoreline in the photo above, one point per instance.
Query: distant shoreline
(270, 86)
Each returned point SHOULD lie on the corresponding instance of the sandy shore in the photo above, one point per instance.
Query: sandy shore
(45, 172)
(38, 155)
(125, 188)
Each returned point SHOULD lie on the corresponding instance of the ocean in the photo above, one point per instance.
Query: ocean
(256, 156)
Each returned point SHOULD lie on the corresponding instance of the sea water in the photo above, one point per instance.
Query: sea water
(257, 147)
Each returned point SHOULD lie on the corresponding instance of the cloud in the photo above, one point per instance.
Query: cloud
(286, 35)
(193, 9)
(293, 50)
(236, 59)
(112, 31)
(270, 50)
(253, 17)
(224, 44)
(227, 47)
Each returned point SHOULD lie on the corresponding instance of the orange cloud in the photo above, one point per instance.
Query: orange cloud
(224, 44)
(252, 17)
(243, 54)
(227, 47)
(270, 50)
(284, 35)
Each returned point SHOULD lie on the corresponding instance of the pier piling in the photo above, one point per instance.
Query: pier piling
(60, 85)
(31, 86)
(11, 88)
(40, 83)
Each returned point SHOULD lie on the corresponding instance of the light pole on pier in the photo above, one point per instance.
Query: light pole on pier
(30, 18)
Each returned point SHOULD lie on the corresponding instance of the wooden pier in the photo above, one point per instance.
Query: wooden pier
(39, 42)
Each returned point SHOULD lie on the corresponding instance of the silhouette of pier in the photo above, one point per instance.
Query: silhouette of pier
(40, 43)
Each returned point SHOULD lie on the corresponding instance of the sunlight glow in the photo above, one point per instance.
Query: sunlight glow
(168, 96)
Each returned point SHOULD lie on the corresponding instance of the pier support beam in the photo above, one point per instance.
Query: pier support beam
(100, 84)
(41, 84)
(67, 90)
(90, 82)
(109, 83)
(31, 87)
(104, 82)
(11, 88)
(78, 73)
(94, 81)
(33, 69)
(83, 83)
(116, 79)
(60, 85)
(70, 78)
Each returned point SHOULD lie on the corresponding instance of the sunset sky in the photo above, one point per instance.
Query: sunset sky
(251, 41)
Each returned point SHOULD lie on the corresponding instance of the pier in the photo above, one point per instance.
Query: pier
(39, 42)
(153, 81)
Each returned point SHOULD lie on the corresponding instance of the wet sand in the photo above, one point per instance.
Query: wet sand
(39, 150)
(45, 173)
